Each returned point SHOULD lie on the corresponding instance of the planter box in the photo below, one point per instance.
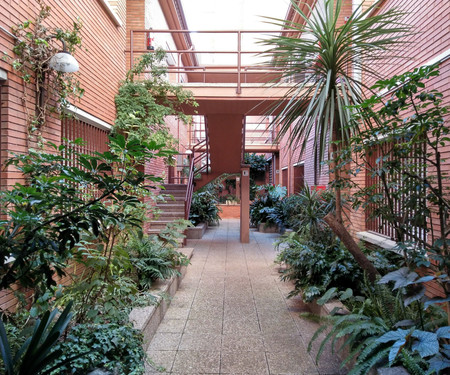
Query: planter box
(230, 211)
(268, 228)
(147, 318)
(197, 232)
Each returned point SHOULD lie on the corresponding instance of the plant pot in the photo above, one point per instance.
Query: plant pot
(268, 228)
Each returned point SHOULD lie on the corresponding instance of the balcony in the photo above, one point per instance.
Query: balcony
(228, 63)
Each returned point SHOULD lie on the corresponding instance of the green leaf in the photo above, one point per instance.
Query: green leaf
(427, 343)
(443, 332)
(329, 294)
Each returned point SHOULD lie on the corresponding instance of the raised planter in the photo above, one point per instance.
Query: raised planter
(197, 232)
(230, 211)
(147, 318)
(268, 228)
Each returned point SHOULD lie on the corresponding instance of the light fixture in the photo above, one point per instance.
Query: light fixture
(64, 62)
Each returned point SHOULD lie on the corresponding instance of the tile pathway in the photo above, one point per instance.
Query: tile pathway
(230, 315)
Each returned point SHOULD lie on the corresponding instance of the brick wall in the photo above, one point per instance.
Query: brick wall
(101, 59)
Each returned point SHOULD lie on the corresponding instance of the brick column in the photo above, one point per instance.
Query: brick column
(245, 204)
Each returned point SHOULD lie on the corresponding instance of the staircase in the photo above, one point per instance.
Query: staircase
(171, 209)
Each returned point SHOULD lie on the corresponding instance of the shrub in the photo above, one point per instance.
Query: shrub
(384, 331)
(262, 207)
(114, 347)
(204, 208)
(314, 267)
(153, 259)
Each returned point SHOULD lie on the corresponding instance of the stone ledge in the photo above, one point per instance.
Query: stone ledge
(377, 239)
(148, 318)
(196, 232)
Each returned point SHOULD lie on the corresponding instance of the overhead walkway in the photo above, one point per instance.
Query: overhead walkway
(231, 315)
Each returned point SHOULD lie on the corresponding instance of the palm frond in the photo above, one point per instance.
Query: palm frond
(328, 53)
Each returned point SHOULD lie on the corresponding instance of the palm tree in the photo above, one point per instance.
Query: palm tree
(332, 57)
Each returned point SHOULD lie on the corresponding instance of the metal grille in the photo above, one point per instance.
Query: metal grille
(95, 140)
(403, 213)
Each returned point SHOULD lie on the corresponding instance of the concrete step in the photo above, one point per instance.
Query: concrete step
(172, 200)
(175, 193)
(159, 224)
(171, 215)
(171, 205)
(175, 186)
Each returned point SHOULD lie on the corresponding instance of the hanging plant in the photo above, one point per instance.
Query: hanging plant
(45, 90)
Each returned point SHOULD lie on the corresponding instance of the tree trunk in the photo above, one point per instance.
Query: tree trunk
(342, 233)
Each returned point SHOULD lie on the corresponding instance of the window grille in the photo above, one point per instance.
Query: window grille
(404, 212)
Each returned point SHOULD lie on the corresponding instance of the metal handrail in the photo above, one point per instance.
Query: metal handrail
(238, 51)
(189, 189)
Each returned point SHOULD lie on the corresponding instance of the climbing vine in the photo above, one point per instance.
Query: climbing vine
(45, 91)
(146, 98)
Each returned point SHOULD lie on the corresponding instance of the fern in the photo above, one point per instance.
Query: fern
(411, 363)
(362, 368)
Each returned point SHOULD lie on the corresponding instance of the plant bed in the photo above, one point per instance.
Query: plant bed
(197, 232)
(148, 318)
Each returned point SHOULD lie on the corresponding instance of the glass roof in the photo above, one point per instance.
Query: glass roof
(230, 15)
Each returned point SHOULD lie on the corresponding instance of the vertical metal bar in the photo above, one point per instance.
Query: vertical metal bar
(238, 89)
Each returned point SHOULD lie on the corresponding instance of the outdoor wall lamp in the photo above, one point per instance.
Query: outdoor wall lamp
(63, 61)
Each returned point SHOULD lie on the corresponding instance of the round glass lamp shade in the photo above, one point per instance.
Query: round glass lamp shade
(64, 62)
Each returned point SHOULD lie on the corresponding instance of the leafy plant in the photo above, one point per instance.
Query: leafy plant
(258, 164)
(146, 97)
(262, 207)
(204, 208)
(314, 267)
(39, 351)
(402, 154)
(116, 348)
(68, 195)
(391, 327)
(304, 212)
(153, 259)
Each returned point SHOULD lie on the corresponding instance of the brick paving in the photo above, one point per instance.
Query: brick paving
(230, 315)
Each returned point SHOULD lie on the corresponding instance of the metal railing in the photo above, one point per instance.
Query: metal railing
(185, 63)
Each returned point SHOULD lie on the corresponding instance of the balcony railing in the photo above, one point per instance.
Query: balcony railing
(239, 49)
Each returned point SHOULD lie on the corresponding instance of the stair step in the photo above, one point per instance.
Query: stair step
(172, 210)
(173, 192)
(159, 224)
(174, 187)
(178, 205)
(171, 215)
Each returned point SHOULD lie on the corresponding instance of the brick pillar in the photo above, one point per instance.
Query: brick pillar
(245, 204)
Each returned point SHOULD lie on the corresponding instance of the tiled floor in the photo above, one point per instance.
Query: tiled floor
(230, 315)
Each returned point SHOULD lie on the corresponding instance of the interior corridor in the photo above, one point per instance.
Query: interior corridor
(230, 315)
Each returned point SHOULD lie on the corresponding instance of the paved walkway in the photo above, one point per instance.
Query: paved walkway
(230, 315)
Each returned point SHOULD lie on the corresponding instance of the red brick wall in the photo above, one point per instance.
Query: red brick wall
(102, 66)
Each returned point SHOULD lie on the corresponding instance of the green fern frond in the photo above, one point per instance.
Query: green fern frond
(410, 363)
(363, 367)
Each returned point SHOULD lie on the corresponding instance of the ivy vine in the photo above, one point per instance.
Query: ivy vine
(146, 98)
(45, 91)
